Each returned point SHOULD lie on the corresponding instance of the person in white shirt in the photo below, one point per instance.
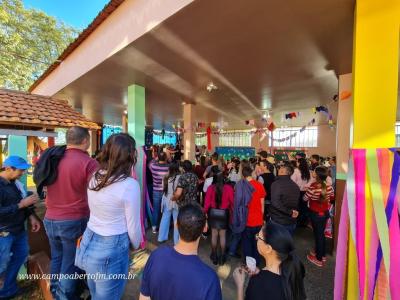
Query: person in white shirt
(302, 177)
(114, 223)
(208, 182)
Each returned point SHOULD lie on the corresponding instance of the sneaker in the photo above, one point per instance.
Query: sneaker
(154, 230)
(328, 235)
(312, 259)
(312, 253)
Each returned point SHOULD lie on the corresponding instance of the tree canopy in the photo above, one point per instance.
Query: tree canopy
(30, 41)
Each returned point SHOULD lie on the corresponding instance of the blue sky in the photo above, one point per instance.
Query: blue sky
(77, 13)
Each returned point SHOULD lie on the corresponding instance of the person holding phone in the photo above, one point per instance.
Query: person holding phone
(16, 206)
(283, 275)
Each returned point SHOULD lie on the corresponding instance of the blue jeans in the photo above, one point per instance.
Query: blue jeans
(234, 242)
(157, 196)
(13, 254)
(249, 242)
(62, 238)
(319, 223)
(290, 227)
(164, 225)
(105, 260)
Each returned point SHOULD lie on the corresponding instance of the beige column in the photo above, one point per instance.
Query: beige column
(188, 136)
(93, 142)
(344, 126)
(343, 143)
(124, 123)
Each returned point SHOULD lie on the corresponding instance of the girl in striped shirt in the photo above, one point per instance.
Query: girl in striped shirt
(319, 195)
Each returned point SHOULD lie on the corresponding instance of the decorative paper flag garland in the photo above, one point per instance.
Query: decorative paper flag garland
(370, 211)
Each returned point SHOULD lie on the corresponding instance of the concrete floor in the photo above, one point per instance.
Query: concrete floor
(319, 281)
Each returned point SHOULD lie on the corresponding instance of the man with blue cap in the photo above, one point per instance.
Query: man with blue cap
(15, 208)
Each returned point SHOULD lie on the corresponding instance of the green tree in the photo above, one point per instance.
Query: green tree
(30, 41)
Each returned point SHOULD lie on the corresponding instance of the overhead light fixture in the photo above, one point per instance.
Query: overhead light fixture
(211, 87)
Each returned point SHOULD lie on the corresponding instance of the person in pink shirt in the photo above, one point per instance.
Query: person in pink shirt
(218, 206)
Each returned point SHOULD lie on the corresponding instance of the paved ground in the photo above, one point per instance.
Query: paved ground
(319, 282)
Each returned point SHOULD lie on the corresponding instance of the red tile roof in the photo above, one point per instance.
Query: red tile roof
(107, 10)
(25, 109)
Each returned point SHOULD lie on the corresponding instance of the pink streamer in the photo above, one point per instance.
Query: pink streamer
(372, 258)
(394, 235)
(360, 177)
(341, 256)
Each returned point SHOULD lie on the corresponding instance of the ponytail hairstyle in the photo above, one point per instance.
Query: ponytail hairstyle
(291, 268)
(322, 174)
(173, 171)
(219, 181)
(304, 169)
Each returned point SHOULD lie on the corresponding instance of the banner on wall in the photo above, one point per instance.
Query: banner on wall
(283, 154)
(241, 152)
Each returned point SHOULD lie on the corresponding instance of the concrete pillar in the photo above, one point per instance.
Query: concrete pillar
(375, 95)
(375, 71)
(343, 142)
(188, 136)
(124, 123)
(18, 145)
(93, 142)
(136, 113)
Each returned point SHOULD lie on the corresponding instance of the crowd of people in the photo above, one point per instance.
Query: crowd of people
(93, 219)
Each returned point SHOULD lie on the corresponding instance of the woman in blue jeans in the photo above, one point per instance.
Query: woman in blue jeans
(169, 208)
(114, 223)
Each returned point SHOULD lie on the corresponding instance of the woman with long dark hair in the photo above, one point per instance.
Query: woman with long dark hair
(319, 194)
(302, 177)
(114, 223)
(169, 208)
(282, 278)
(218, 206)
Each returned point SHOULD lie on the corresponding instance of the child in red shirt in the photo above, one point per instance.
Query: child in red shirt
(320, 195)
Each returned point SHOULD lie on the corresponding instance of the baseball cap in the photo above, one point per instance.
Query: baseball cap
(16, 162)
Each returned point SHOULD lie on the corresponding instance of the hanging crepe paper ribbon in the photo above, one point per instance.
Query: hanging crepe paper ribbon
(370, 210)
(394, 232)
(139, 173)
(345, 95)
(209, 138)
(360, 180)
(341, 251)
